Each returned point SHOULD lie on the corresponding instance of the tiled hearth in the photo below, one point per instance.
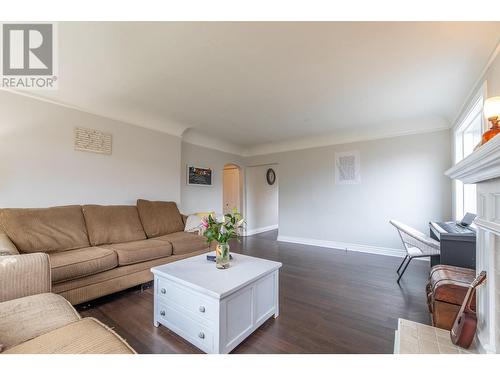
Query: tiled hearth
(417, 338)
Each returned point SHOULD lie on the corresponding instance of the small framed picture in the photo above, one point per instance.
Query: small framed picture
(199, 176)
(347, 168)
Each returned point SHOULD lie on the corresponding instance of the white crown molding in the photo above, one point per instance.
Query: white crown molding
(345, 246)
(481, 165)
(194, 137)
(173, 128)
(357, 135)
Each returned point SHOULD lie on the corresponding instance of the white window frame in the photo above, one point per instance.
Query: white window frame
(469, 115)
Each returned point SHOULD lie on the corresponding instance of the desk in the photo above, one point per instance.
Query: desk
(457, 249)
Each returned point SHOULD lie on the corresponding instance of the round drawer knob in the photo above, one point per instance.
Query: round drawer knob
(202, 309)
(162, 312)
(201, 335)
(163, 291)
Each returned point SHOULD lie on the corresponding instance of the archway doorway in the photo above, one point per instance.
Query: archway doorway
(231, 188)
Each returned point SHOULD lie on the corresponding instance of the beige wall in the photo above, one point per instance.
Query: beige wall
(493, 77)
(204, 198)
(39, 166)
(401, 178)
(262, 199)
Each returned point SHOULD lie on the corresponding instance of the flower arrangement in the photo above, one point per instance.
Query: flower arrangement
(222, 230)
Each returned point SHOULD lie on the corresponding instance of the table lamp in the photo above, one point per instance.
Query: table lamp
(492, 113)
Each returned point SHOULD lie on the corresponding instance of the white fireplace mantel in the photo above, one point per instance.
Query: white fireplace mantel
(482, 168)
(482, 165)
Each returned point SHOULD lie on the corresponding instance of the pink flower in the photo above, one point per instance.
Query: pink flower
(204, 222)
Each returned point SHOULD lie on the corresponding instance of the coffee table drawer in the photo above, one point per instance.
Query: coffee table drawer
(183, 325)
(195, 303)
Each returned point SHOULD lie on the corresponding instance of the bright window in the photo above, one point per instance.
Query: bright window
(467, 136)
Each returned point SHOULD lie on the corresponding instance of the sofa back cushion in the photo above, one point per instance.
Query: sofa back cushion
(159, 218)
(112, 224)
(45, 229)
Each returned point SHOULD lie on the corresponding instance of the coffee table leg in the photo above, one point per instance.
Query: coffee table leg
(277, 295)
(155, 322)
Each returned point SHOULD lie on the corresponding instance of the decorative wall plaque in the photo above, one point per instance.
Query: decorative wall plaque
(93, 141)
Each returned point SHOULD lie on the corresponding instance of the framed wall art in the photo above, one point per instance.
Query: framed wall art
(199, 176)
(347, 168)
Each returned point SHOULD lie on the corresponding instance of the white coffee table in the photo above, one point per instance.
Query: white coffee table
(215, 309)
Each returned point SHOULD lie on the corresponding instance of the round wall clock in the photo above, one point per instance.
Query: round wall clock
(270, 176)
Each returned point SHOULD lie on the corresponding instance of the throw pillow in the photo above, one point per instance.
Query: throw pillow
(193, 223)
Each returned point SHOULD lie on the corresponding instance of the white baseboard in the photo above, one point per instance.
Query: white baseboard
(260, 230)
(345, 246)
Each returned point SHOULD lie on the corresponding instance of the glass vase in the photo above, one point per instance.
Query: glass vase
(222, 256)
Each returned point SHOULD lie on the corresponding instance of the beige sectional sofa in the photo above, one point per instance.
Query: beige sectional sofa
(97, 250)
(35, 321)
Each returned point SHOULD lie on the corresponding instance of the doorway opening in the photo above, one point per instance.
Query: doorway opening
(231, 188)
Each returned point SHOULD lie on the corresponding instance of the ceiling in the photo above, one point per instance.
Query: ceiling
(249, 83)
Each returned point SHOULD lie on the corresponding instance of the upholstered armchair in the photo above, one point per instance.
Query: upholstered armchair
(33, 320)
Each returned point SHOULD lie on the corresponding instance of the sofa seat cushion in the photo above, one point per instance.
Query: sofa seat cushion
(159, 218)
(69, 265)
(86, 336)
(51, 229)
(140, 251)
(112, 224)
(25, 318)
(119, 278)
(184, 242)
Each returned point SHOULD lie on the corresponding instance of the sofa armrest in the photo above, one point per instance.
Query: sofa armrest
(7, 247)
(24, 275)
(184, 219)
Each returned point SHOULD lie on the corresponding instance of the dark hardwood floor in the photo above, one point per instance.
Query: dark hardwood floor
(331, 301)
